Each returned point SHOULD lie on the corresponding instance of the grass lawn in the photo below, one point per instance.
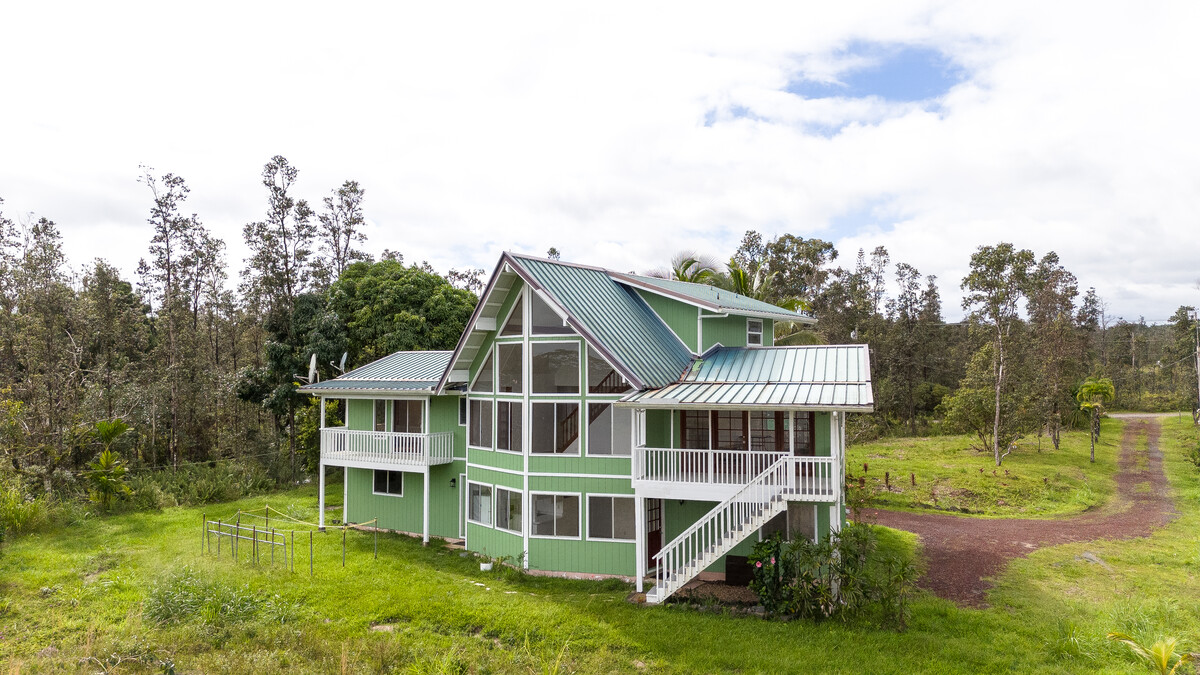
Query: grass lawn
(104, 587)
(1029, 484)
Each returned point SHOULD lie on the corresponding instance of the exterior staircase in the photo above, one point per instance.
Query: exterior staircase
(724, 527)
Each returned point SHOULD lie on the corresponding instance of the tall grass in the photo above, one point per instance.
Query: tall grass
(197, 485)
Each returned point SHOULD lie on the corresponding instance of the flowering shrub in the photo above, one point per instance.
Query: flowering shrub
(837, 576)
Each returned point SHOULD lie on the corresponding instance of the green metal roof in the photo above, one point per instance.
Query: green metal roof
(613, 318)
(812, 377)
(712, 298)
(402, 371)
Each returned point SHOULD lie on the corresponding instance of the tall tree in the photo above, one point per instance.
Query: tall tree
(1056, 339)
(995, 286)
(339, 231)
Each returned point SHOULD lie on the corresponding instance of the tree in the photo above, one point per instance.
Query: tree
(1057, 341)
(799, 264)
(339, 230)
(107, 478)
(1092, 396)
(689, 266)
(280, 245)
(553, 254)
(995, 285)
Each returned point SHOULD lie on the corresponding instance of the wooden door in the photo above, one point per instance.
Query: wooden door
(653, 530)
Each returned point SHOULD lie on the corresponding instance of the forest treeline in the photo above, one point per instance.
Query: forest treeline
(180, 366)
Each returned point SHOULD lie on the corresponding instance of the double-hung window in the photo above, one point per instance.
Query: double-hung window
(481, 423)
(754, 332)
(508, 426)
(408, 417)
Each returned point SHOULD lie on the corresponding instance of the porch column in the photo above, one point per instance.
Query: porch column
(639, 535)
(321, 498)
(345, 494)
(322, 412)
(425, 510)
(838, 453)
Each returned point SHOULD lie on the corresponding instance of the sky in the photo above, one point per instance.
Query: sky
(624, 132)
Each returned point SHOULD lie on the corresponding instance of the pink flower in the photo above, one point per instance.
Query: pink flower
(772, 561)
(758, 564)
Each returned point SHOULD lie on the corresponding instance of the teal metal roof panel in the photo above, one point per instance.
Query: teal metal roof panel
(423, 366)
(718, 299)
(345, 386)
(402, 371)
(614, 317)
(816, 377)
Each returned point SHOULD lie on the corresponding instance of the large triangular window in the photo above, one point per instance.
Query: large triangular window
(602, 377)
(546, 321)
(515, 321)
(485, 381)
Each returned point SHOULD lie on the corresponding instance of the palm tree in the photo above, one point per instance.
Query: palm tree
(108, 431)
(1095, 392)
(107, 473)
(688, 266)
(1158, 655)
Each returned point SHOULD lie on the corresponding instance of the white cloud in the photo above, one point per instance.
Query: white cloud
(476, 129)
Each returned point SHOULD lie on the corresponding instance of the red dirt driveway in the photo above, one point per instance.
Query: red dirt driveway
(961, 553)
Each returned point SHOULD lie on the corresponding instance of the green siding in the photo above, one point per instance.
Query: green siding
(730, 331)
(821, 448)
(583, 556)
(679, 316)
(768, 333)
(443, 416)
(493, 542)
(658, 428)
(497, 459)
(476, 474)
(571, 485)
(405, 513)
(360, 416)
(618, 466)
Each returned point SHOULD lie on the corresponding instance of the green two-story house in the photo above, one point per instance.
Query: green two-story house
(598, 423)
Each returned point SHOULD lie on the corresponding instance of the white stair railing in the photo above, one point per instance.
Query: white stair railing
(736, 518)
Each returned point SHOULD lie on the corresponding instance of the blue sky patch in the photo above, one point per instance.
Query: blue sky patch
(901, 73)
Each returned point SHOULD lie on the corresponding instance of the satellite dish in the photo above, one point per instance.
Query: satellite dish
(341, 367)
(312, 371)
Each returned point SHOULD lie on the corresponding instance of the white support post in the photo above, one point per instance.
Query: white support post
(321, 497)
(345, 494)
(837, 451)
(322, 412)
(639, 548)
(424, 511)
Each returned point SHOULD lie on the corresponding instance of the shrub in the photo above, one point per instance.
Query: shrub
(838, 576)
(197, 485)
(184, 596)
(20, 513)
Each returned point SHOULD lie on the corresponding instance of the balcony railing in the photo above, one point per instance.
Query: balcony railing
(814, 476)
(340, 445)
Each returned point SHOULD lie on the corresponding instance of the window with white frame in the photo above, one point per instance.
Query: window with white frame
(611, 518)
(556, 516)
(610, 430)
(510, 377)
(508, 426)
(754, 332)
(555, 367)
(479, 504)
(516, 320)
(408, 417)
(388, 483)
(485, 379)
(545, 321)
(380, 415)
(602, 377)
(555, 428)
(508, 510)
(480, 435)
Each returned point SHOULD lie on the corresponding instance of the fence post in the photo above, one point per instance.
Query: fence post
(272, 548)
(218, 537)
(237, 537)
(203, 531)
(293, 564)
(310, 549)
(343, 546)
(267, 515)
(377, 537)
(254, 544)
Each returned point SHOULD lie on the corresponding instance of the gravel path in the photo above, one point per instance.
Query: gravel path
(962, 553)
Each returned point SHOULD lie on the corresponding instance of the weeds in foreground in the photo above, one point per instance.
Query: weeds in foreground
(1158, 656)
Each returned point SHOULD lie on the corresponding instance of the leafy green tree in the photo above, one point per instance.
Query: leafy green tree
(1057, 340)
(995, 285)
(689, 266)
(799, 264)
(388, 307)
(1092, 396)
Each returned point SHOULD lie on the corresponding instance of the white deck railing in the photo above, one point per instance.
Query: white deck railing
(813, 480)
(386, 447)
(762, 498)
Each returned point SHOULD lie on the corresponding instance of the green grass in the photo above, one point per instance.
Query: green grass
(136, 585)
(951, 475)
